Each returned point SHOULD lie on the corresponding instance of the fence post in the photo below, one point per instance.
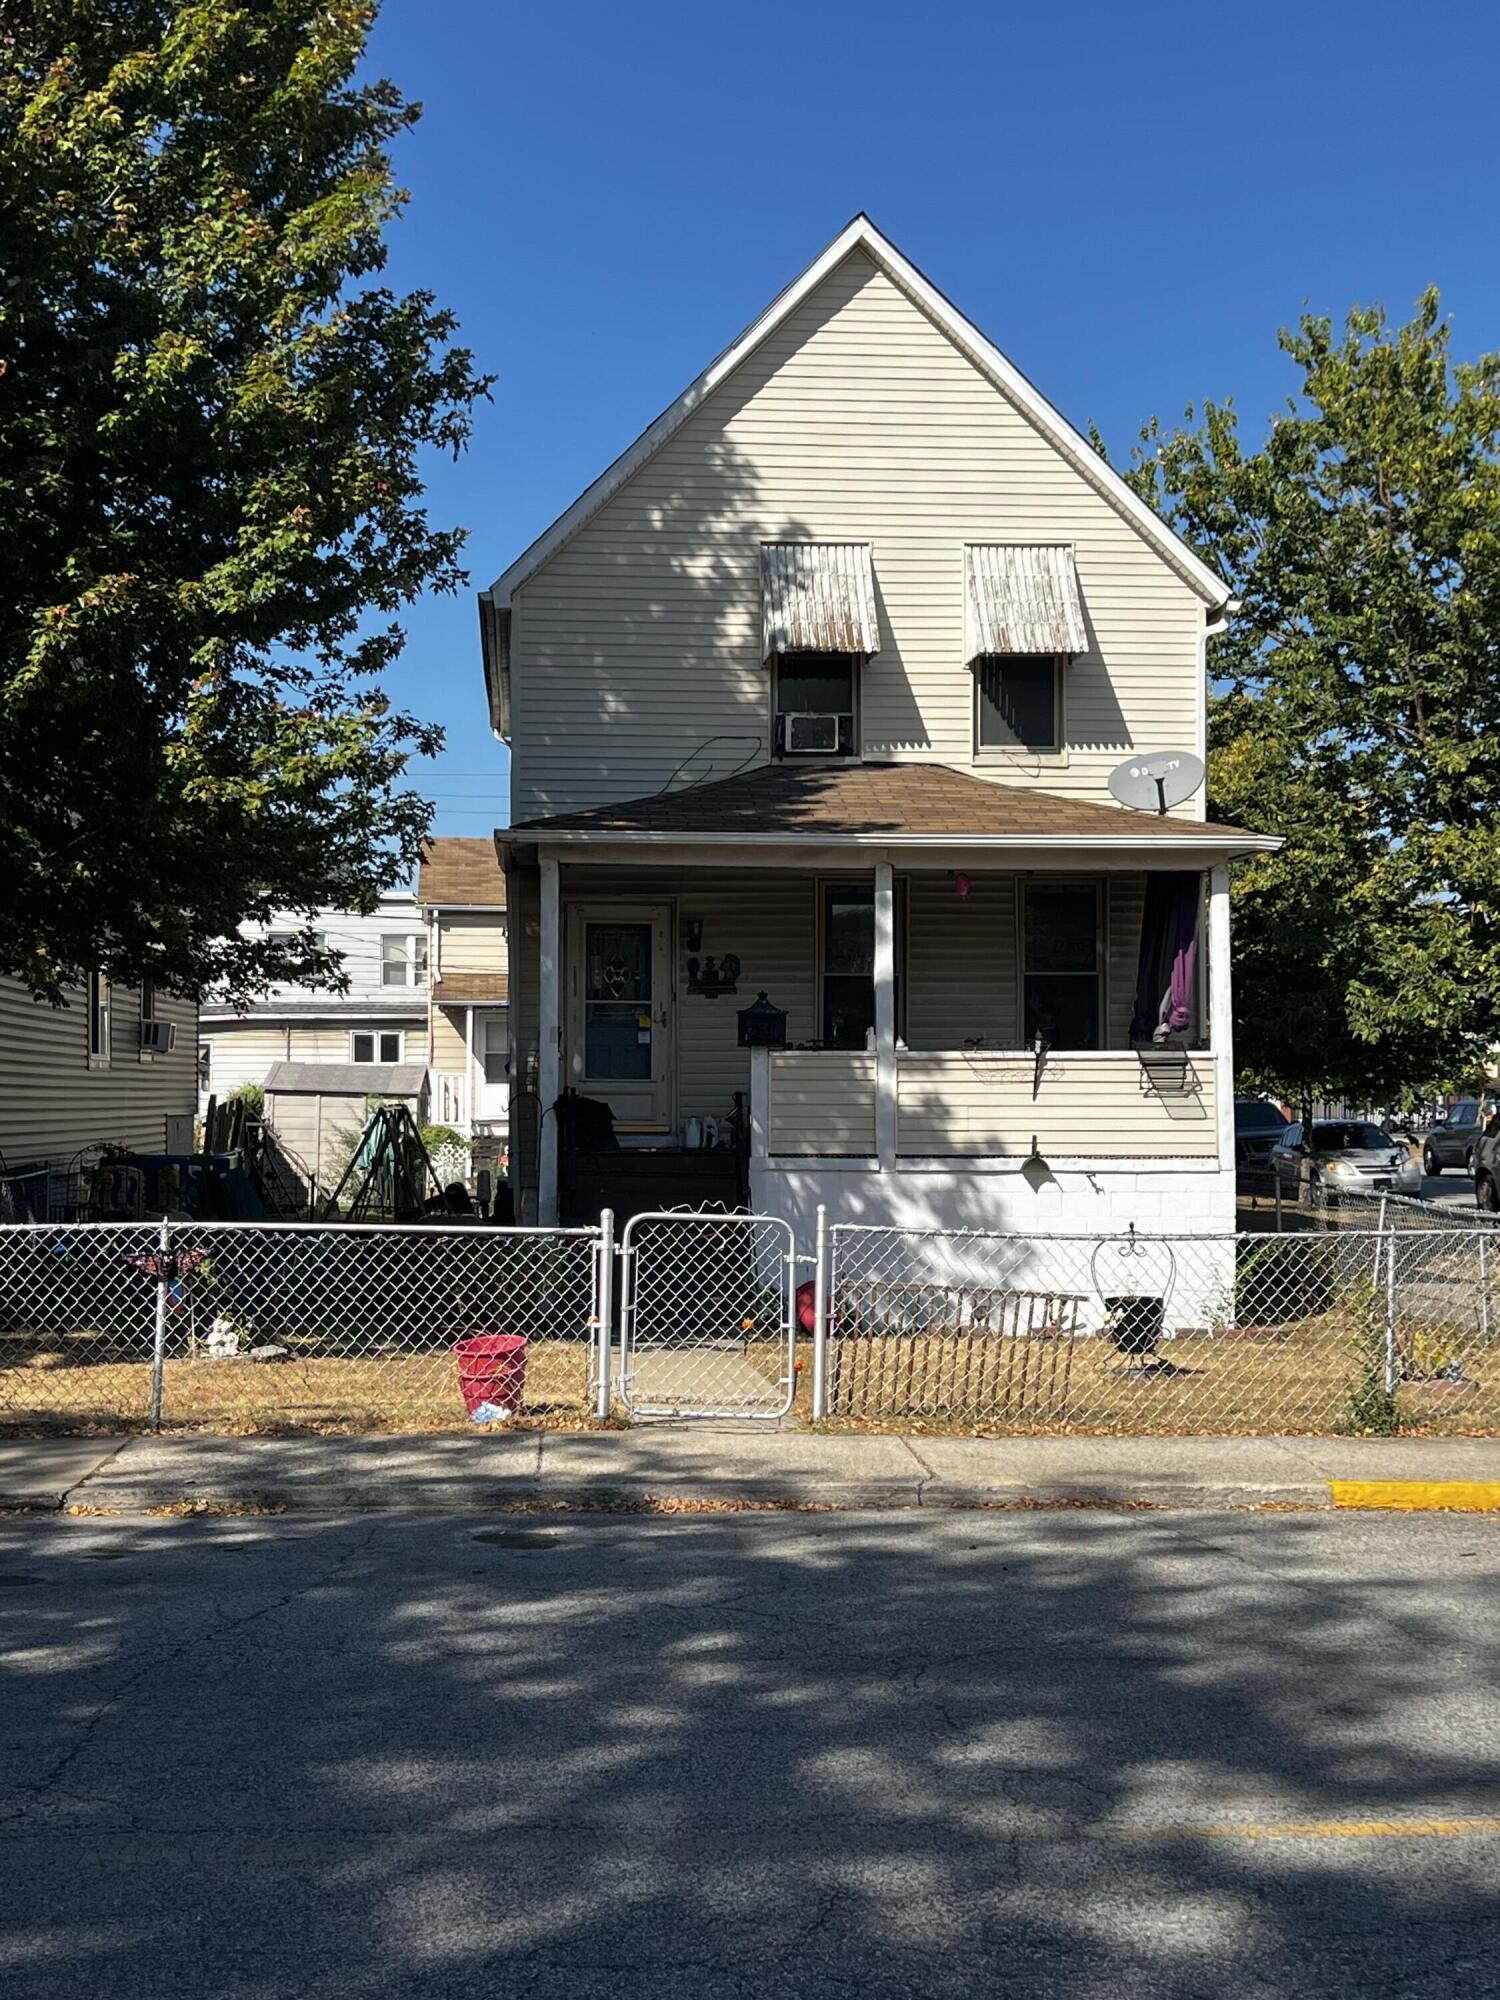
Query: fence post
(1484, 1287)
(159, 1340)
(604, 1309)
(820, 1318)
(1390, 1314)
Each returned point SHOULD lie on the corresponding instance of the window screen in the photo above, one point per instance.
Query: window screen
(1018, 702)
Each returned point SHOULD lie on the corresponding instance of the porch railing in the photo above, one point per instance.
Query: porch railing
(973, 1104)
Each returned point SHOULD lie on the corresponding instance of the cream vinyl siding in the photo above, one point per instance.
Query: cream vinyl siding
(822, 1102)
(858, 420)
(52, 1102)
(1087, 1107)
(449, 1049)
(244, 1053)
(961, 966)
(472, 941)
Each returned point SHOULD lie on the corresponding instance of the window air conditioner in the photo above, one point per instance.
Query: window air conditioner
(159, 1037)
(812, 735)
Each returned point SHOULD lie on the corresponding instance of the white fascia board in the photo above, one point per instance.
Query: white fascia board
(1196, 840)
(861, 233)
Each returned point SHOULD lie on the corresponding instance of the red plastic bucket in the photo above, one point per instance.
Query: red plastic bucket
(492, 1369)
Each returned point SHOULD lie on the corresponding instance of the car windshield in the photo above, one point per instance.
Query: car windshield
(1255, 1116)
(1350, 1139)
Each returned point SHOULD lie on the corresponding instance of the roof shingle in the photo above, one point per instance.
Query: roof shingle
(461, 871)
(842, 800)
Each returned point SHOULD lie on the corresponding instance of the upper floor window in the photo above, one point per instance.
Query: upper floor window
(816, 704)
(372, 1045)
(98, 1017)
(1018, 703)
(403, 959)
(494, 1045)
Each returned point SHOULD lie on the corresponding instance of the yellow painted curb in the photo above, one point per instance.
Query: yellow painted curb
(1323, 1829)
(1419, 1496)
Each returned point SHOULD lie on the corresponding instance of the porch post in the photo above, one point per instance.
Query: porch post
(1221, 1006)
(885, 1016)
(469, 1071)
(549, 1042)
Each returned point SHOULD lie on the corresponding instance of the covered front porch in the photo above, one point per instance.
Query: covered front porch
(979, 1026)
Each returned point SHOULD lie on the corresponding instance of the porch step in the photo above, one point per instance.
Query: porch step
(635, 1181)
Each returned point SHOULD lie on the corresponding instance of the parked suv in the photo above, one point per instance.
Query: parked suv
(1487, 1168)
(1258, 1126)
(1453, 1141)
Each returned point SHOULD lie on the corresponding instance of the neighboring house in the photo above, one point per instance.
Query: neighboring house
(461, 894)
(378, 1025)
(115, 1066)
(822, 682)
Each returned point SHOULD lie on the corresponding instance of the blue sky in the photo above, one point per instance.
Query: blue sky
(1128, 200)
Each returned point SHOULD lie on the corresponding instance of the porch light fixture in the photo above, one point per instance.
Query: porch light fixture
(692, 933)
(1034, 1163)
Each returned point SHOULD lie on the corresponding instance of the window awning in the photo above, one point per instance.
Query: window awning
(1022, 598)
(818, 597)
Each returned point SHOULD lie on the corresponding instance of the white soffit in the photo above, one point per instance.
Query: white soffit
(1022, 598)
(817, 597)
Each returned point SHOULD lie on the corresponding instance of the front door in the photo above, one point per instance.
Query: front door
(620, 1010)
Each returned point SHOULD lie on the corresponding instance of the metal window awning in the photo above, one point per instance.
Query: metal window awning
(1022, 598)
(818, 597)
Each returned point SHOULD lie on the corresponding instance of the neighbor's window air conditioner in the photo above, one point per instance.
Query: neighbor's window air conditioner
(812, 735)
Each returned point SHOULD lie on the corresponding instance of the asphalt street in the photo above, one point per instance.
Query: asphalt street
(1043, 1754)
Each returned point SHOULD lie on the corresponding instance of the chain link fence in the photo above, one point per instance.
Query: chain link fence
(1340, 1330)
(706, 1323)
(327, 1326)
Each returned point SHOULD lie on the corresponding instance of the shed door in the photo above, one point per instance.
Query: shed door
(620, 1027)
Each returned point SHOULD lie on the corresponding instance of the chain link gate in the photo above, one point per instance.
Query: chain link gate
(707, 1315)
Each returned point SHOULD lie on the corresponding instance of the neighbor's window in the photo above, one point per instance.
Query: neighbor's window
(1063, 964)
(1018, 702)
(367, 1046)
(848, 1010)
(403, 959)
(815, 704)
(494, 1045)
(98, 1017)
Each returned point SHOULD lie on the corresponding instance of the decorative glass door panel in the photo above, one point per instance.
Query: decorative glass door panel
(619, 1028)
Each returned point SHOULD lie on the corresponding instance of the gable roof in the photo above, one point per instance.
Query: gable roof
(861, 234)
(461, 872)
(856, 804)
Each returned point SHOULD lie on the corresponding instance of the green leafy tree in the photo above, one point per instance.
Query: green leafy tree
(1358, 702)
(211, 424)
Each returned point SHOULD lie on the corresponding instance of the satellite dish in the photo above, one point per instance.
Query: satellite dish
(1151, 784)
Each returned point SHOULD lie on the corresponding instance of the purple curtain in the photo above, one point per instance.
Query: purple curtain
(1164, 984)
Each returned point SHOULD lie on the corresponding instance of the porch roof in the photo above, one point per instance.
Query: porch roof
(878, 804)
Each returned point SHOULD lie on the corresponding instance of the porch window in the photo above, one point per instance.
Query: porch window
(369, 1045)
(1063, 964)
(816, 696)
(848, 996)
(1018, 703)
(494, 1046)
(403, 959)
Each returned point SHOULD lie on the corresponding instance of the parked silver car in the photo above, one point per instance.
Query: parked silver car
(1344, 1152)
(1453, 1140)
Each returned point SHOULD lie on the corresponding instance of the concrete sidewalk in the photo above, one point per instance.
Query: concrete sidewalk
(707, 1465)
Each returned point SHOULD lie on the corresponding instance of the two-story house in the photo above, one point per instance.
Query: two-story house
(319, 1054)
(817, 692)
